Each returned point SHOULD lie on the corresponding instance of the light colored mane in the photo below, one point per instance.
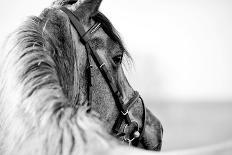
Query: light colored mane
(40, 113)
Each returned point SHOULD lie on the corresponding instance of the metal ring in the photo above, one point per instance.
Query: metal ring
(102, 65)
(127, 139)
(132, 122)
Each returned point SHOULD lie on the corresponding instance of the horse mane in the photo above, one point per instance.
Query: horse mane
(37, 91)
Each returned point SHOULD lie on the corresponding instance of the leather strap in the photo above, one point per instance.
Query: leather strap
(75, 21)
(142, 129)
(123, 108)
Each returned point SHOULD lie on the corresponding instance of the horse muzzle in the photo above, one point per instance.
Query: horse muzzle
(153, 133)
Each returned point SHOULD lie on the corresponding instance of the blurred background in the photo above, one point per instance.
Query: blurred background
(182, 53)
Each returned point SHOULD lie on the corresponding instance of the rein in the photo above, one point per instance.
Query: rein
(135, 132)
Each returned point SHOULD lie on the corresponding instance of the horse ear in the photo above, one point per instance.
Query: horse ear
(64, 2)
(87, 8)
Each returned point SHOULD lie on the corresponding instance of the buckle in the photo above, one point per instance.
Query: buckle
(136, 133)
(125, 113)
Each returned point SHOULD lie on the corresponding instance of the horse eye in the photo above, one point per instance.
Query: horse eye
(117, 59)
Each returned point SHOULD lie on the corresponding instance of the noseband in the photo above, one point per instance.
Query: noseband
(131, 132)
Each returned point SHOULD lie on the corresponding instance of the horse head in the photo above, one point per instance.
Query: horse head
(111, 94)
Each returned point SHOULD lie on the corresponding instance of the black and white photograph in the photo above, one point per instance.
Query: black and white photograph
(116, 77)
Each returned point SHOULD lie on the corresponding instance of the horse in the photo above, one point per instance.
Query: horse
(53, 93)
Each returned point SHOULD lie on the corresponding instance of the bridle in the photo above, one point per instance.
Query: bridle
(135, 132)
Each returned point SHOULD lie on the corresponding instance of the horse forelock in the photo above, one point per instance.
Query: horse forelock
(114, 35)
